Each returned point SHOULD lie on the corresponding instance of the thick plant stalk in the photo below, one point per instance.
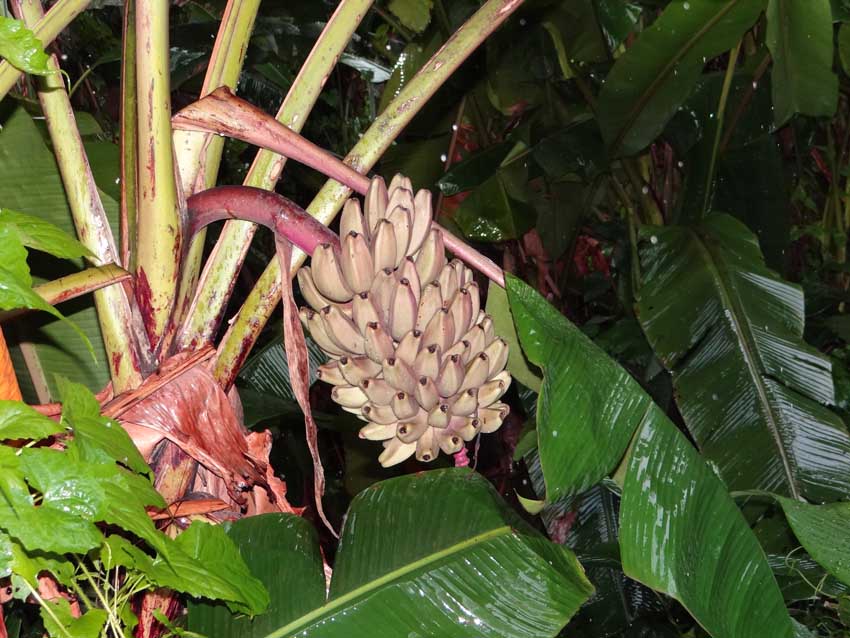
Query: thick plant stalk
(159, 220)
(75, 285)
(129, 138)
(222, 267)
(123, 335)
(223, 113)
(46, 29)
(256, 310)
(9, 388)
(198, 156)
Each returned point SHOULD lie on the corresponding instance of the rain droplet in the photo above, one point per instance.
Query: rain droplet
(443, 157)
(653, 240)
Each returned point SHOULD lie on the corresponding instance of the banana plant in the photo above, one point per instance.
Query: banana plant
(409, 349)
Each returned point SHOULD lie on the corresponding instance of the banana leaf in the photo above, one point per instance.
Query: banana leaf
(680, 532)
(31, 184)
(433, 554)
(652, 79)
(751, 391)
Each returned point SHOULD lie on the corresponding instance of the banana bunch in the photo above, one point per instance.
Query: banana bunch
(412, 353)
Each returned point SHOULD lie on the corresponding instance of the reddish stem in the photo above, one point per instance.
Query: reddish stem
(285, 218)
(223, 113)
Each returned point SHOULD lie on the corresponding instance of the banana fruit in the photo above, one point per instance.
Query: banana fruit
(412, 353)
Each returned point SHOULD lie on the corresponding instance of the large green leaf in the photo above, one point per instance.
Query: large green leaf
(282, 551)
(799, 36)
(433, 554)
(654, 77)
(680, 532)
(583, 427)
(748, 386)
(31, 184)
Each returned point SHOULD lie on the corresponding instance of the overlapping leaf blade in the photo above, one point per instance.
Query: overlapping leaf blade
(680, 532)
(281, 550)
(583, 425)
(822, 529)
(31, 184)
(652, 79)
(799, 36)
(436, 554)
(748, 386)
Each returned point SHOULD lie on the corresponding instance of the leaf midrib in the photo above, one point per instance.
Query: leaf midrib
(341, 602)
(715, 265)
(665, 73)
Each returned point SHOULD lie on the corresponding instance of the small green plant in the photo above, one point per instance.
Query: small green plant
(75, 534)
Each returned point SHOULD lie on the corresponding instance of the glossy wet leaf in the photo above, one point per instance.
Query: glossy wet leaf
(822, 529)
(212, 549)
(183, 566)
(266, 543)
(41, 235)
(654, 77)
(438, 554)
(751, 391)
(21, 48)
(41, 529)
(617, 19)
(799, 36)
(519, 367)
(95, 492)
(592, 522)
(680, 533)
(583, 426)
(267, 371)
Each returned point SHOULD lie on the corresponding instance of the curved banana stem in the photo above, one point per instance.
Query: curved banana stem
(285, 218)
(226, 114)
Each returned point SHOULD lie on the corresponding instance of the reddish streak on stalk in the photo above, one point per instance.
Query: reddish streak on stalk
(284, 217)
(224, 113)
